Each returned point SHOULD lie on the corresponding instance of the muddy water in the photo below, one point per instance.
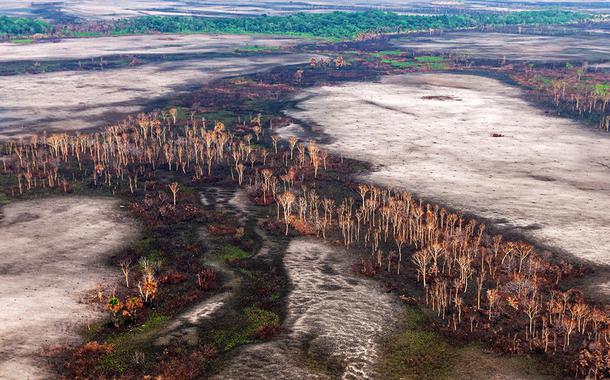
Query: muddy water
(335, 321)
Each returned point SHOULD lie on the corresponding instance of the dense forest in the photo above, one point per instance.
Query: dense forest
(336, 25)
(21, 26)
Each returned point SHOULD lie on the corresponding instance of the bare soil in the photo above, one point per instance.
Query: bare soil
(86, 48)
(53, 254)
(513, 47)
(76, 100)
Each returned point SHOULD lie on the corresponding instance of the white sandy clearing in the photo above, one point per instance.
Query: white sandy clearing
(513, 46)
(86, 48)
(52, 254)
(548, 178)
(64, 101)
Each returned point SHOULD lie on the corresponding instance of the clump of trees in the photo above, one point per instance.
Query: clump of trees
(575, 88)
(18, 26)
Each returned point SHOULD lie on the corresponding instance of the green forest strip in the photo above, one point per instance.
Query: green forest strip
(17, 26)
(335, 25)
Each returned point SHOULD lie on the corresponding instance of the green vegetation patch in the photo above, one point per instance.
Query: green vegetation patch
(335, 25)
(602, 89)
(258, 318)
(245, 331)
(231, 253)
(430, 59)
(417, 353)
(24, 41)
(127, 344)
(226, 117)
(400, 64)
(437, 66)
(18, 26)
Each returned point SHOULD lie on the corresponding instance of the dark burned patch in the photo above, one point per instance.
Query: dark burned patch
(442, 98)
(330, 287)
(530, 227)
(389, 108)
(327, 269)
(23, 218)
(543, 178)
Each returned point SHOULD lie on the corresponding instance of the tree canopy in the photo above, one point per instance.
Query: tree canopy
(335, 25)
(21, 26)
(338, 25)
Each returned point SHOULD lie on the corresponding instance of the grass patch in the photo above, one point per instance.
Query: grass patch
(416, 353)
(437, 66)
(258, 318)
(246, 272)
(430, 59)
(127, 344)
(400, 64)
(226, 117)
(23, 41)
(244, 330)
(231, 253)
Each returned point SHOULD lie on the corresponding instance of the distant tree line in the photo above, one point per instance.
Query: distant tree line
(339, 25)
(335, 25)
(18, 26)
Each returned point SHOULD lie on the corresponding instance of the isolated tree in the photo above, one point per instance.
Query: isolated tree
(298, 75)
(286, 200)
(174, 114)
(125, 268)
(492, 298)
(174, 187)
(422, 259)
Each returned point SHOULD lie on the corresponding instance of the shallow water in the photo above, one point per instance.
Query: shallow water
(334, 318)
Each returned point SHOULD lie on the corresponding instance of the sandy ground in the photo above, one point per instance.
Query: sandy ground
(333, 315)
(513, 46)
(547, 179)
(52, 256)
(63, 101)
(87, 48)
